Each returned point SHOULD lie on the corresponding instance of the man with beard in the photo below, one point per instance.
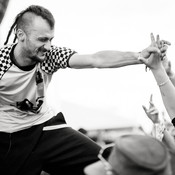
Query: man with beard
(32, 136)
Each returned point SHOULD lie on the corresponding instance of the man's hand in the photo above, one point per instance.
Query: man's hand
(153, 48)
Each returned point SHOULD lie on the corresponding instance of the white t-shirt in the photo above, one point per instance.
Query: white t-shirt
(23, 93)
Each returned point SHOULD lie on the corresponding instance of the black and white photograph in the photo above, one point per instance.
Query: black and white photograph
(87, 87)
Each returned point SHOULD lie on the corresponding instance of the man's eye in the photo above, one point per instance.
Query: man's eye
(43, 39)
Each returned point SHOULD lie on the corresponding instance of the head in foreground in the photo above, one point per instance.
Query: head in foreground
(133, 155)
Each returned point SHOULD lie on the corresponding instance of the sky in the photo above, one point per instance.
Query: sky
(104, 98)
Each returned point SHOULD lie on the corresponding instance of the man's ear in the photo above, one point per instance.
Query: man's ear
(20, 35)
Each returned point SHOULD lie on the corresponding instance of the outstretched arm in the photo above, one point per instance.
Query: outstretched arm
(109, 59)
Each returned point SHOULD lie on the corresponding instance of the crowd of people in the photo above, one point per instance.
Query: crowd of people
(33, 139)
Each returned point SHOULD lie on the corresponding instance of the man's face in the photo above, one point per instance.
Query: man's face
(37, 39)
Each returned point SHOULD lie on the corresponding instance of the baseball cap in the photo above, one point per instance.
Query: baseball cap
(134, 155)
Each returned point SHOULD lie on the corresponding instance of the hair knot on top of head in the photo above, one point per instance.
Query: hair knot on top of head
(20, 21)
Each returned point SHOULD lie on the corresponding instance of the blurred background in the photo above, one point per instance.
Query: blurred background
(106, 99)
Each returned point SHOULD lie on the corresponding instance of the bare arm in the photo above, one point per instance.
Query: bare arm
(108, 59)
(167, 90)
(168, 69)
(166, 87)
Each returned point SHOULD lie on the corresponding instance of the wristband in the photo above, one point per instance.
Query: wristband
(163, 83)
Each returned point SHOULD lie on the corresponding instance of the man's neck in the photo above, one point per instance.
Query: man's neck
(20, 58)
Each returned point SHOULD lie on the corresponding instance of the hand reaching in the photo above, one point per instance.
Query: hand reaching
(153, 48)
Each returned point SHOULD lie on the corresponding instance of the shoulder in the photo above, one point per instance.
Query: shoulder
(5, 51)
(56, 58)
(5, 61)
(60, 51)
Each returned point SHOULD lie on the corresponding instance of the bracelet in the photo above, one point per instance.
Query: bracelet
(163, 83)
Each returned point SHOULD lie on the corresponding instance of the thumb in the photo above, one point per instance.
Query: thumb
(142, 59)
(153, 50)
(144, 108)
(151, 104)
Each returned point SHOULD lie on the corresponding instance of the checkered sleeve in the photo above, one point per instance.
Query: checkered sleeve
(5, 62)
(56, 58)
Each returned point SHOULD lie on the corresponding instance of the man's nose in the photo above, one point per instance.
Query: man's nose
(47, 45)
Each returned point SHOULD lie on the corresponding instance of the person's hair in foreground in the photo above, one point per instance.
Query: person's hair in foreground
(133, 155)
(22, 22)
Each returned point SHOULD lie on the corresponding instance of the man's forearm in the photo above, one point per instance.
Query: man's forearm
(114, 59)
(105, 59)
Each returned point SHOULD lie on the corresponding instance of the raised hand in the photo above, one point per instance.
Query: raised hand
(152, 112)
(155, 58)
(153, 48)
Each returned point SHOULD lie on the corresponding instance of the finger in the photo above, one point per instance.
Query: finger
(152, 37)
(163, 54)
(151, 104)
(164, 57)
(153, 50)
(164, 48)
(158, 41)
(144, 108)
(154, 112)
(153, 42)
(151, 110)
(165, 42)
(151, 101)
(163, 51)
(143, 60)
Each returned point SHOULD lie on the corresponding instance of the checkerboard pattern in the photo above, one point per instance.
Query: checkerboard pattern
(5, 62)
(57, 58)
